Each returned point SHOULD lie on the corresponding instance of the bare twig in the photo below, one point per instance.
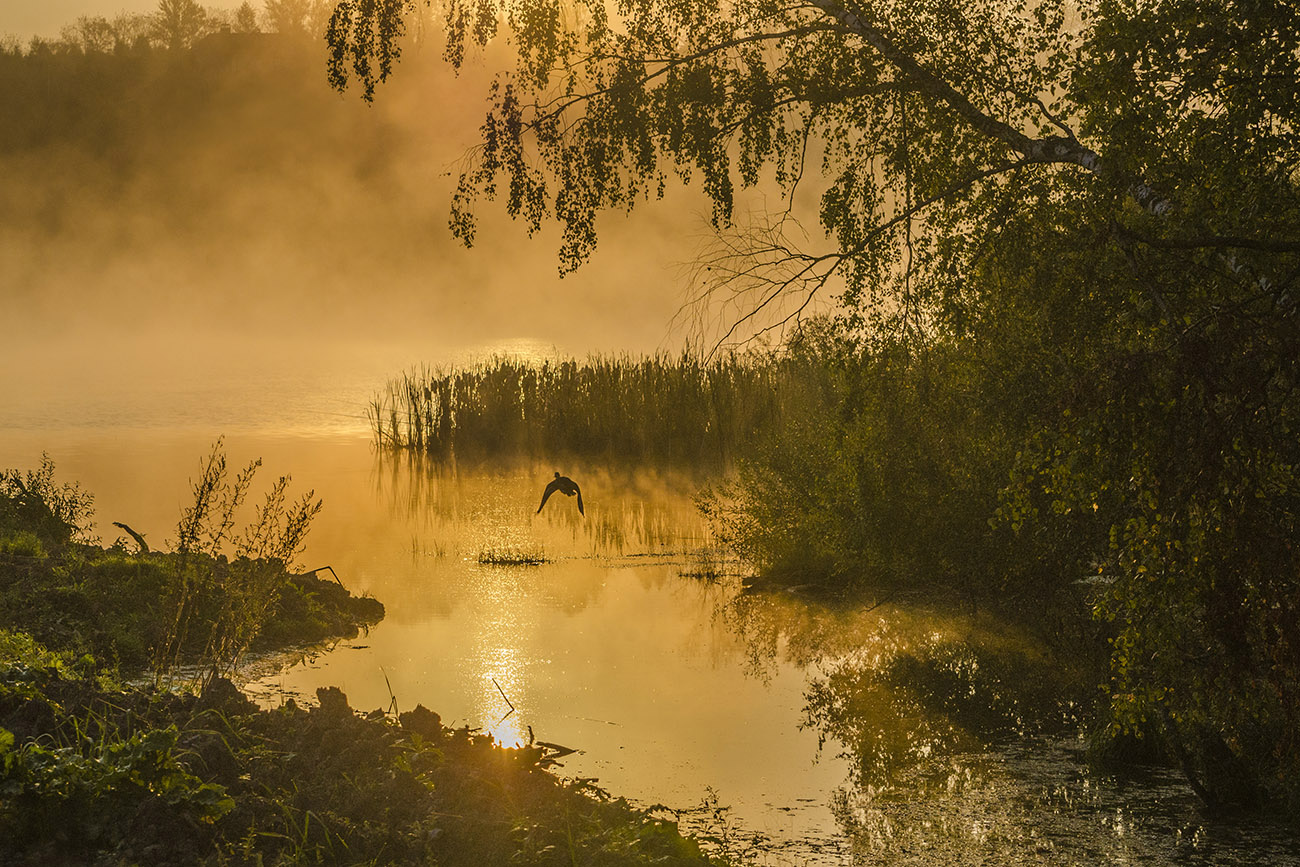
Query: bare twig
(508, 701)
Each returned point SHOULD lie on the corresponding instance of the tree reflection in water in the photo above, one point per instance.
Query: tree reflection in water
(966, 745)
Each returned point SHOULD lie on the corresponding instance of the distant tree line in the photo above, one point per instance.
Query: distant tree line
(176, 25)
(112, 105)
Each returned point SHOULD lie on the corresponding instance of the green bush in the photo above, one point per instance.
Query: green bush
(23, 543)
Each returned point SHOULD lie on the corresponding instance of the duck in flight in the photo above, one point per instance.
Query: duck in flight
(564, 485)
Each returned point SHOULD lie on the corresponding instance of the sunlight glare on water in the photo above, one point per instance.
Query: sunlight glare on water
(603, 647)
(496, 653)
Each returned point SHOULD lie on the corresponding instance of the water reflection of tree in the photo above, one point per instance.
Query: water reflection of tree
(913, 699)
(895, 685)
(932, 685)
(1035, 801)
(780, 628)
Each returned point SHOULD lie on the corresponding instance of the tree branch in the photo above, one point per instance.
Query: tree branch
(554, 108)
(1052, 149)
(1211, 242)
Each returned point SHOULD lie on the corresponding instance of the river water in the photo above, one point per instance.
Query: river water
(629, 642)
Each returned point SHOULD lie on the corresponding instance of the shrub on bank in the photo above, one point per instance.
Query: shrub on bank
(219, 594)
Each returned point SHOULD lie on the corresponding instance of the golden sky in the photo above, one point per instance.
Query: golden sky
(28, 18)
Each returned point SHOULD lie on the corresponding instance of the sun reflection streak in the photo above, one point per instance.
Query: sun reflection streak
(509, 732)
(501, 656)
(502, 682)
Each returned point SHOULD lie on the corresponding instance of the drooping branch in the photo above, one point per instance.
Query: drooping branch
(664, 65)
(1064, 150)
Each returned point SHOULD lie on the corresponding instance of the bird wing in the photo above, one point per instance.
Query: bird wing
(546, 494)
(577, 490)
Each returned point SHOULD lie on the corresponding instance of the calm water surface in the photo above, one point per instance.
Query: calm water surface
(673, 689)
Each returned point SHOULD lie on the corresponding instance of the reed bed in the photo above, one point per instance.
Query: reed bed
(659, 408)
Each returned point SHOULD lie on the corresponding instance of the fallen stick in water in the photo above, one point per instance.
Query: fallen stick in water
(508, 701)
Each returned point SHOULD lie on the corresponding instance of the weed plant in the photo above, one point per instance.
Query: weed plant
(245, 589)
(195, 608)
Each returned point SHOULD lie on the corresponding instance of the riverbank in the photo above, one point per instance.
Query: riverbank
(93, 770)
(96, 772)
(112, 605)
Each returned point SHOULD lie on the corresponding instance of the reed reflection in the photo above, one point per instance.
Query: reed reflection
(628, 512)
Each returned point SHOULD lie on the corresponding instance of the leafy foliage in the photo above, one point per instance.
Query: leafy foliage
(80, 799)
(878, 475)
(31, 504)
(1084, 218)
(133, 777)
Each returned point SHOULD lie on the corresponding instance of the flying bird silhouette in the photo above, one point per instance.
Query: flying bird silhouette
(564, 485)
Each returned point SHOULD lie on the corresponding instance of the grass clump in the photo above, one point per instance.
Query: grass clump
(512, 556)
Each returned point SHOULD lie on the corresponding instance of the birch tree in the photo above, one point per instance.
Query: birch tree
(1094, 203)
(916, 121)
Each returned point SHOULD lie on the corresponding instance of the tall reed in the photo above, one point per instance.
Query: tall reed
(660, 408)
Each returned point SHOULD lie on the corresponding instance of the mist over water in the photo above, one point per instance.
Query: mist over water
(217, 244)
(176, 223)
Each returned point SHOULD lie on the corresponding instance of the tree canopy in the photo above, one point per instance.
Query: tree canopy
(1066, 241)
(921, 123)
